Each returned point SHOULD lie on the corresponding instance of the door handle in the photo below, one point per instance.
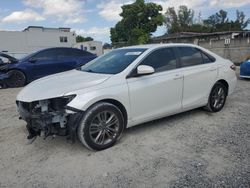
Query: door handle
(213, 69)
(178, 76)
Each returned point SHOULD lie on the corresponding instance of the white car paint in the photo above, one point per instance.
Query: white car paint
(146, 97)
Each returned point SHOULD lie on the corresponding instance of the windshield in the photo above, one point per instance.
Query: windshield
(113, 62)
(26, 57)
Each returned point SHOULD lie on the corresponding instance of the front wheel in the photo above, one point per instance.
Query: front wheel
(101, 126)
(217, 98)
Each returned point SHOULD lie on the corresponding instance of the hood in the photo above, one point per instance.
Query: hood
(5, 66)
(11, 58)
(59, 84)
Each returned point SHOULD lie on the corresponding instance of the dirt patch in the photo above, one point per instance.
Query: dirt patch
(192, 149)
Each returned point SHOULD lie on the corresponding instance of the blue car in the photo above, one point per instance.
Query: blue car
(245, 69)
(42, 63)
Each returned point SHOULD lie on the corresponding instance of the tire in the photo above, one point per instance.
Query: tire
(217, 98)
(101, 126)
(16, 78)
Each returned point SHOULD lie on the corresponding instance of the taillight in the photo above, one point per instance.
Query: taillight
(233, 67)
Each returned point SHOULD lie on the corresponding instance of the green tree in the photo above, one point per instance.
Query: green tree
(220, 22)
(183, 21)
(217, 21)
(80, 38)
(179, 21)
(241, 20)
(139, 20)
(171, 20)
(185, 16)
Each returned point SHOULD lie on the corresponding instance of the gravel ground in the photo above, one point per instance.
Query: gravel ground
(192, 149)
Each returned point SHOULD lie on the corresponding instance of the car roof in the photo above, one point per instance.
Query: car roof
(50, 48)
(152, 46)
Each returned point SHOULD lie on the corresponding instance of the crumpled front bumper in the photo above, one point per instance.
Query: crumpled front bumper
(38, 123)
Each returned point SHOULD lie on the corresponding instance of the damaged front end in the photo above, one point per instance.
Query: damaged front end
(50, 117)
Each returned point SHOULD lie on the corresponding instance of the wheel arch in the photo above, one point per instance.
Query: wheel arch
(17, 69)
(22, 71)
(225, 83)
(119, 105)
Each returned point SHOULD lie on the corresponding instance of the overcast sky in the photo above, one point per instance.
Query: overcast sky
(95, 17)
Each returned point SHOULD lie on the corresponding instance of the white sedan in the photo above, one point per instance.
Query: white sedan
(125, 87)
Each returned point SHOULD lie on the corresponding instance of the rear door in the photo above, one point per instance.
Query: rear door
(200, 72)
(158, 94)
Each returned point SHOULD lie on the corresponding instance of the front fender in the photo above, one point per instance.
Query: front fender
(119, 93)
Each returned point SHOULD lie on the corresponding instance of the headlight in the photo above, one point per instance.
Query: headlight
(69, 98)
(60, 102)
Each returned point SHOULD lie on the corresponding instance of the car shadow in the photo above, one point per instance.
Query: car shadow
(168, 121)
(61, 142)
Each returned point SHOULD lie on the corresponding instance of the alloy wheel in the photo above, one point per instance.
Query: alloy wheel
(104, 128)
(218, 97)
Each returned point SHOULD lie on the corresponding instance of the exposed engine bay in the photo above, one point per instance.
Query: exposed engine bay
(50, 117)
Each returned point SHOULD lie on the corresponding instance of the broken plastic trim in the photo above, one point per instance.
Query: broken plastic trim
(70, 110)
(50, 117)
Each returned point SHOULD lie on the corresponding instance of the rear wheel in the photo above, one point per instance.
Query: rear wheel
(217, 98)
(16, 78)
(101, 126)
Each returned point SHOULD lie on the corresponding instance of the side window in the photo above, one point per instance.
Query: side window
(207, 58)
(50, 54)
(43, 55)
(190, 56)
(161, 60)
(79, 53)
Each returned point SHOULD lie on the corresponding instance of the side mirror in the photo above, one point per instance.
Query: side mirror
(32, 60)
(145, 69)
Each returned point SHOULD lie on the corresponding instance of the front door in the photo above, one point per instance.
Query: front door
(158, 94)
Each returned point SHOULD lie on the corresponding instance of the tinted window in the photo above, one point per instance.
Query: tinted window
(60, 52)
(47, 54)
(190, 56)
(114, 61)
(161, 60)
(77, 52)
(207, 58)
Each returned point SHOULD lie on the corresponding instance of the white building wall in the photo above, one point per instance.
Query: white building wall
(20, 43)
(94, 47)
